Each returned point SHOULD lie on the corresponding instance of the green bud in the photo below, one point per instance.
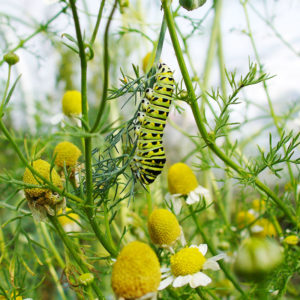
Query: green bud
(191, 4)
(257, 257)
(11, 58)
(183, 94)
(86, 278)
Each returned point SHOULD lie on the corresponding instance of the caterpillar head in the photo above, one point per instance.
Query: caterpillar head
(145, 103)
(149, 93)
(163, 68)
(141, 116)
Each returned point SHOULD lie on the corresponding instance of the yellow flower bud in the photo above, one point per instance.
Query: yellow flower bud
(136, 271)
(147, 64)
(163, 227)
(71, 103)
(181, 179)
(291, 240)
(66, 154)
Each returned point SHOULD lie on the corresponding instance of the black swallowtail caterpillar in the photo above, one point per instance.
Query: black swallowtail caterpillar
(150, 158)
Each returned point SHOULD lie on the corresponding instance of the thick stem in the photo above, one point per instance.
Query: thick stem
(199, 121)
(106, 69)
(74, 251)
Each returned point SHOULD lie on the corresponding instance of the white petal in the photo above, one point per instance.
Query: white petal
(218, 257)
(165, 283)
(256, 228)
(164, 269)
(199, 279)
(181, 281)
(203, 249)
(192, 198)
(182, 238)
(211, 264)
(174, 202)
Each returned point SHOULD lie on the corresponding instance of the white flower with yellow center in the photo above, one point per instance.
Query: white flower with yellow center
(182, 182)
(69, 221)
(187, 266)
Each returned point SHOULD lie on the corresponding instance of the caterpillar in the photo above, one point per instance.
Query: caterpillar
(149, 158)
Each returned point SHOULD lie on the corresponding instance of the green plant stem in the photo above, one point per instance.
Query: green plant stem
(107, 229)
(212, 43)
(74, 251)
(271, 108)
(51, 245)
(5, 91)
(36, 32)
(49, 260)
(200, 124)
(32, 170)
(106, 63)
(88, 140)
(93, 38)
(149, 199)
(213, 251)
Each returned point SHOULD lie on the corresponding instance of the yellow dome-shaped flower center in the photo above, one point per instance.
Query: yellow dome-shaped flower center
(136, 271)
(43, 168)
(71, 103)
(163, 227)
(244, 218)
(66, 153)
(181, 179)
(187, 261)
(291, 240)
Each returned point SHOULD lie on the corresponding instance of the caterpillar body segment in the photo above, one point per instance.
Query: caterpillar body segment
(150, 158)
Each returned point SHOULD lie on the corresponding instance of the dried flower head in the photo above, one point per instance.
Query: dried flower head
(66, 154)
(42, 200)
(71, 103)
(136, 272)
(163, 228)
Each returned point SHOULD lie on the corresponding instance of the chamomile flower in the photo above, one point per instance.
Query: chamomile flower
(68, 221)
(164, 229)
(182, 182)
(245, 218)
(66, 154)
(263, 228)
(186, 268)
(136, 272)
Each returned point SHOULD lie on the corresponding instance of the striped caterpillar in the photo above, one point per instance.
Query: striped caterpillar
(150, 157)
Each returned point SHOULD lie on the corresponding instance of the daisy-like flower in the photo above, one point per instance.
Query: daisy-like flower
(42, 200)
(245, 218)
(263, 228)
(71, 103)
(136, 272)
(164, 229)
(182, 182)
(187, 266)
(67, 221)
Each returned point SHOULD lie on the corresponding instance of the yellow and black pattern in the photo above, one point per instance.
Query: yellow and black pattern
(150, 157)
